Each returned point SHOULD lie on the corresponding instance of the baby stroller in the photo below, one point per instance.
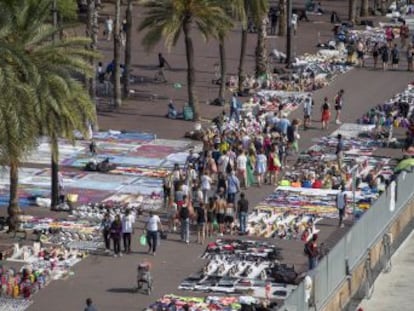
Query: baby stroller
(144, 277)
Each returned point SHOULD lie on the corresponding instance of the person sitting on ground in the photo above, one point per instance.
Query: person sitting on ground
(172, 112)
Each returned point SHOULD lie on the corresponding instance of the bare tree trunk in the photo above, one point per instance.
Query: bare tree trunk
(222, 50)
(242, 58)
(351, 10)
(128, 49)
(117, 56)
(282, 17)
(364, 8)
(55, 172)
(261, 51)
(189, 51)
(92, 31)
(13, 208)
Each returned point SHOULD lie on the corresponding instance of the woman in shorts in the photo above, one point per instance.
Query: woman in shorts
(221, 212)
(229, 218)
(211, 215)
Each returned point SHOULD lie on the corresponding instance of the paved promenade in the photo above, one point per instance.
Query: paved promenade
(394, 290)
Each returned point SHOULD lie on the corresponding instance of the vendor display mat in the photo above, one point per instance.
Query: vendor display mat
(9, 304)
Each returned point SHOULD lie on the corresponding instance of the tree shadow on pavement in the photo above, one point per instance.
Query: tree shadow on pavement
(130, 290)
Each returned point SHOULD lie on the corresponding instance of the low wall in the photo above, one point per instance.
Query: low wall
(361, 278)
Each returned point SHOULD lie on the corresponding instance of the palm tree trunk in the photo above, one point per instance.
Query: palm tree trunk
(189, 51)
(128, 48)
(351, 11)
(261, 51)
(282, 18)
(364, 8)
(117, 56)
(92, 30)
(242, 58)
(222, 50)
(13, 208)
(55, 173)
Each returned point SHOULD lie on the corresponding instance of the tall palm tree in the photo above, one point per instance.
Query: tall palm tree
(170, 18)
(352, 10)
(116, 73)
(255, 10)
(54, 67)
(261, 50)
(283, 17)
(128, 47)
(364, 8)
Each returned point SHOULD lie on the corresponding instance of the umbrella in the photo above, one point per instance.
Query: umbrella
(406, 164)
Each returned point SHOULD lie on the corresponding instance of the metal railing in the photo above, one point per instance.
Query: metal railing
(332, 270)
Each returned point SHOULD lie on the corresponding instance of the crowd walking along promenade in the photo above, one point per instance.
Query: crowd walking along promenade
(204, 155)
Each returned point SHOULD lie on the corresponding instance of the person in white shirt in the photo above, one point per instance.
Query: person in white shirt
(241, 164)
(152, 226)
(109, 25)
(223, 162)
(205, 186)
(294, 23)
(127, 229)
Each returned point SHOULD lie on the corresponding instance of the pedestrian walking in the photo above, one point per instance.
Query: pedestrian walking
(307, 111)
(89, 305)
(242, 211)
(234, 108)
(241, 165)
(294, 21)
(106, 231)
(404, 33)
(184, 216)
(312, 251)
(162, 64)
(109, 27)
(274, 14)
(153, 226)
(206, 182)
(127, 230)
(410, 54)
(385, 56)
(339, 152)
(395, 57)
(339, 104)
(326, 114)
(233, 187)
(341, 205)
(375, 54)
(274, 165)
(116, 232)
(201, 223)
(261, 167)
(211, 215)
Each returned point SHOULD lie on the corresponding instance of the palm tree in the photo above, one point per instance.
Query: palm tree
(168, 18)
(352, 10)
(255, 10)
(128, 47)
(261, 50)
(53, 66)
(116, 73)
(282, 17)
(364, 8)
